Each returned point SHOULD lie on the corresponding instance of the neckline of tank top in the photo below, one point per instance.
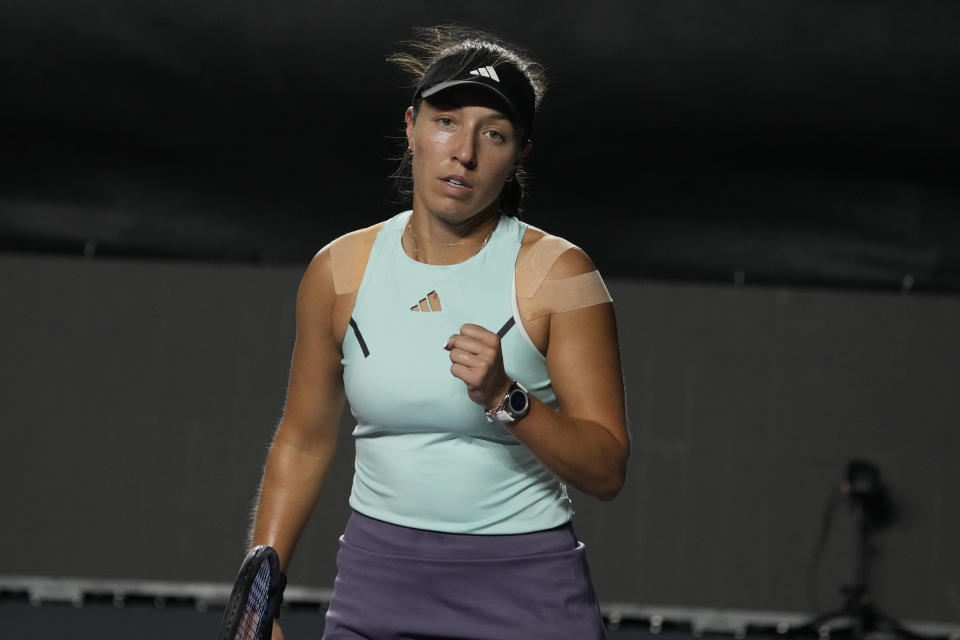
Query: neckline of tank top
(402, 223)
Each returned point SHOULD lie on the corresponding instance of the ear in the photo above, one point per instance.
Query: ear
(525, 151)
(408, 118)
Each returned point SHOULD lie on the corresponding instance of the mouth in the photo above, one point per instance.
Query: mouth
(457, 181)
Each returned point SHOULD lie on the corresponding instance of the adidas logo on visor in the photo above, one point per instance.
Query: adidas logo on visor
(486, 72)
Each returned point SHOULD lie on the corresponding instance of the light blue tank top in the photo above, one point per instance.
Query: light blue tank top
(426, 457)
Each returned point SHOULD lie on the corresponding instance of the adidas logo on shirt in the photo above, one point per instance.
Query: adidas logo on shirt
(429, 303)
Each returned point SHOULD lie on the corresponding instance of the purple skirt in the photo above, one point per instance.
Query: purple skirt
(395, 582)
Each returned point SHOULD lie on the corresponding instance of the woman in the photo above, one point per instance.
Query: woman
(461, 525)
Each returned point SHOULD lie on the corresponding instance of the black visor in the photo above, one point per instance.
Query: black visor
(502, 78)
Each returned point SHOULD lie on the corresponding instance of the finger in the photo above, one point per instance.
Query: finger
(472, 360)
(465, 373)
(473, 345)
(478, 332)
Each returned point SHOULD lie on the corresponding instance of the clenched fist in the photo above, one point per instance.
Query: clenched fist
(478, 361)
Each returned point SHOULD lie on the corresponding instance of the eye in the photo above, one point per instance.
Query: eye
(444, 121)
(495, 135)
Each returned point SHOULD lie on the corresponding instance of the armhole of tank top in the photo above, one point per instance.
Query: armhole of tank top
(518, 320)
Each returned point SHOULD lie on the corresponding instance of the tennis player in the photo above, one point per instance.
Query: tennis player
(479, 357)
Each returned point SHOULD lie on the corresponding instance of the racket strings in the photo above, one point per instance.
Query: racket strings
(256, 605)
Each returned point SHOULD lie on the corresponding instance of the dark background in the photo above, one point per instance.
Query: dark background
(767, 186)
(784, 141)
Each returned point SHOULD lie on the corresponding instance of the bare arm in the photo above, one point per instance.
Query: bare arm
(306, 437)
(586, 444)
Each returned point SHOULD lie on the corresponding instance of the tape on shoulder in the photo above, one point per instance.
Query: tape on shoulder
(348, 259)
(539, 259)
(566, 294)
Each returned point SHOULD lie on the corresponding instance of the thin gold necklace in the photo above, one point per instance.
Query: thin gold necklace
(416, 252)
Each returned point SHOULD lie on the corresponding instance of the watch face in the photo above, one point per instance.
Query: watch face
(518, 400)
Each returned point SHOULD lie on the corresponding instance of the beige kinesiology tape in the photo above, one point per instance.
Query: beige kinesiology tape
(348, 259)
(566, 294)
(541, 296)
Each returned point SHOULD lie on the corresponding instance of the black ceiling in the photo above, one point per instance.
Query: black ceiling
(767, 141)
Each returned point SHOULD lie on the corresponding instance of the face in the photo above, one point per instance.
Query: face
(465, 147)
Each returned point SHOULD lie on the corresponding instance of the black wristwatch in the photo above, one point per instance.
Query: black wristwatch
(514, 406)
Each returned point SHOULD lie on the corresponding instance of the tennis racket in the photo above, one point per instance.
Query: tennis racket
(256, 597)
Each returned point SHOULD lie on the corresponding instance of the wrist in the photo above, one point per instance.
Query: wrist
(497, 399)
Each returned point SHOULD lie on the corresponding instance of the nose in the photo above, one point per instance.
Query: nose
(465, 149)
